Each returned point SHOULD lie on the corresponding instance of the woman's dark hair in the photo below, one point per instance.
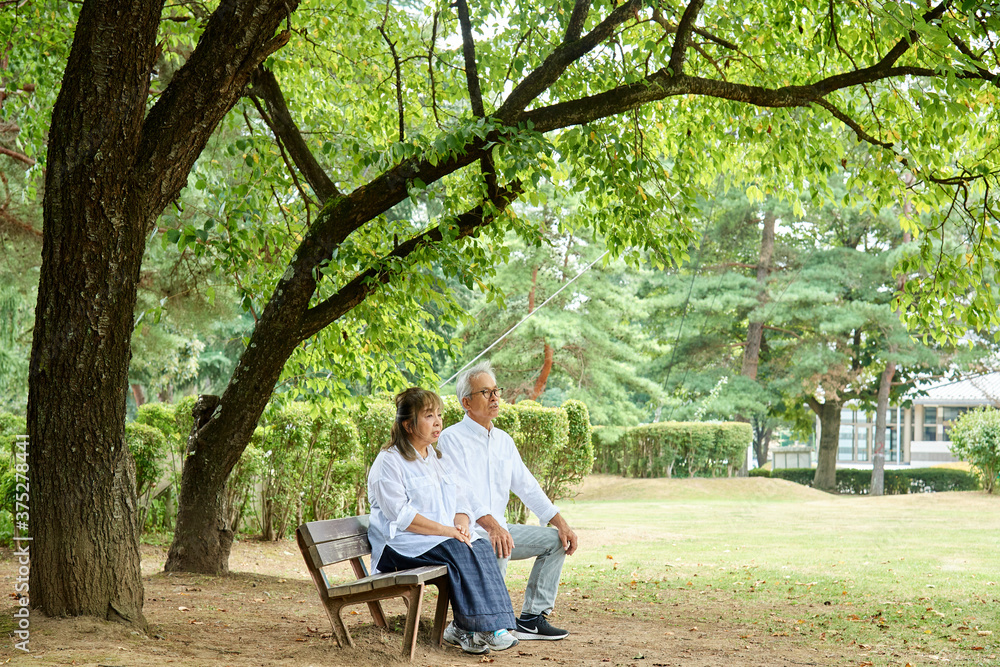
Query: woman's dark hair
(409, 405)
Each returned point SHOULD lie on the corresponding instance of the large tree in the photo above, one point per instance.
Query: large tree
(760, 84)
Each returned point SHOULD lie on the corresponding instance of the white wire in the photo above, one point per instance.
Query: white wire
(507, 333)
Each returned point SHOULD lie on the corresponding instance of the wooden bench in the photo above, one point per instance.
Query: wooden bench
(324, 543)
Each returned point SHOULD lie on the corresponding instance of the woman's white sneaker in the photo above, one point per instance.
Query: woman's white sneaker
(498, 640)
(469, 642)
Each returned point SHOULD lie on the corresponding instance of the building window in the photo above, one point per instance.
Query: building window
(845, 448)
(950, 415)
(891, 445)
(862, 443)
(930, 424)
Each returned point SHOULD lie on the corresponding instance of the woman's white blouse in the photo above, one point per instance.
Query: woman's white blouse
(398, 490)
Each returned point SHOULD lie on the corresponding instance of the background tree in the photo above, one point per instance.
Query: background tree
(588, 86)
(584, 342)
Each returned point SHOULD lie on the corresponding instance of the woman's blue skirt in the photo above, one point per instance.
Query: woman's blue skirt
(479, 598)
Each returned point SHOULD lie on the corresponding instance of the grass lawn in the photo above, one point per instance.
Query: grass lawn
(915, 577)
(675, 573)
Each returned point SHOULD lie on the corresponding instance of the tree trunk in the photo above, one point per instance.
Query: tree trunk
(112, 168)
(543, 374)
(755, 329)
(825, 478)
(85, 553)
(203, 535)
(878, 457)
(138, 395)
(761, 439)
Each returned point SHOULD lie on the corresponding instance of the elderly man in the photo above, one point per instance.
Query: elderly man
(487, 459)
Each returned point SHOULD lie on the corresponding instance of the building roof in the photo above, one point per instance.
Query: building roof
(971, 391)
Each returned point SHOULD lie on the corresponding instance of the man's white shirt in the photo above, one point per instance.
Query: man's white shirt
(488, 464)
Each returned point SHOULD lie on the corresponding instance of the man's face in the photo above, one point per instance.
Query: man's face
(483, 402)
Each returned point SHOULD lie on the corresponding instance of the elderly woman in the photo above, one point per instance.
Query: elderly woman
(420, 516)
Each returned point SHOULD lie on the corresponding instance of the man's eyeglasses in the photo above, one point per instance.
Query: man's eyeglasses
(488, 393)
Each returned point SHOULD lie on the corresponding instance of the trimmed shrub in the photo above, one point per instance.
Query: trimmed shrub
(184, 420)
(923, 480)
(576, 459)
(543, 433)
(242, 483)
(708, 449)
(336, 477)
(148, 447)
(286, 439)
(608, 443)
(373, 419)
(975, 437)
(914, 480)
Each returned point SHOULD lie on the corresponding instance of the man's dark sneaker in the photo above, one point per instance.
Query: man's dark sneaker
(536, 627)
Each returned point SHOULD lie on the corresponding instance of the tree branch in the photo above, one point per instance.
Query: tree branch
(577, 20)
(266, 89)
(397, 69)
(562, 57)
(17, 156)
(240, 35)
(469, 53)
(475, 91)
(851, 123)
(682, 39)
(354, 292)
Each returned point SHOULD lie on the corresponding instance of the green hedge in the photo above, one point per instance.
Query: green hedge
(666, 449)
(304, 465)
(543, 434)
(858, 482)
(607, 445)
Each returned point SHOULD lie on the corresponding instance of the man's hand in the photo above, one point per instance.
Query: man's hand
(566, 535)
(503, 543)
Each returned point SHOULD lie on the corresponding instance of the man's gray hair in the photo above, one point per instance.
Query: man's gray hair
(464, 384)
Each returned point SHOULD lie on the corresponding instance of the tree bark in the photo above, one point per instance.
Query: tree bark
(85, 553)
(755, 329)
(111, 170)
(543, 375)
(877, 487)
(825, 478)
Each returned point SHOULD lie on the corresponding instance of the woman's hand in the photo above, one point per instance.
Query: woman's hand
(461, 534)
(462, 523)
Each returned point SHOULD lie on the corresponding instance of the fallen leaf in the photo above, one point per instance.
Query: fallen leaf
(183, 609)
(984, 633)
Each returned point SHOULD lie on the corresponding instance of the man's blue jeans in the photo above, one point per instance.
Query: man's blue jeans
(541, 543)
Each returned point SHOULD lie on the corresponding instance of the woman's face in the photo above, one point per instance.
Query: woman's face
(427, 427)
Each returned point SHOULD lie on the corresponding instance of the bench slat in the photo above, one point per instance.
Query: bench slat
(386, 579)
(318, 532)
(329, 553)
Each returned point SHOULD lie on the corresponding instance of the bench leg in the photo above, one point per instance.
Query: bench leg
(375, 607)
(414, 598)
(340, 633)
(441, 611)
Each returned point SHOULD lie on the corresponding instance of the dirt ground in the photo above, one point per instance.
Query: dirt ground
(268, 613)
